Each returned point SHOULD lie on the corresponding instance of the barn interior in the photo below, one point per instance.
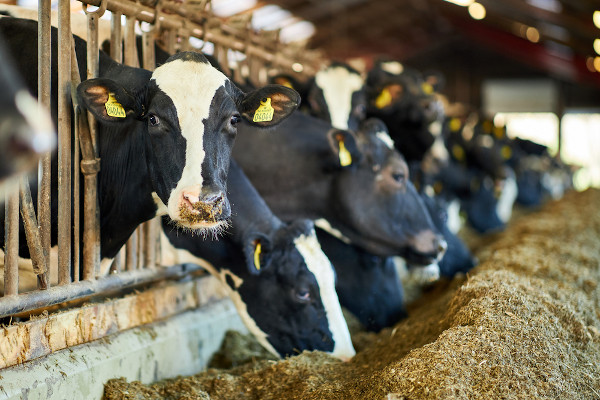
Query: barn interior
(523, 323)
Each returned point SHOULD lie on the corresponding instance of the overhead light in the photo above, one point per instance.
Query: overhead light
(462, 3)
(589, 63)
(477, 11)
(597, 19)
(597, 45)
(548, 5)
(597, 63)
(532, 34)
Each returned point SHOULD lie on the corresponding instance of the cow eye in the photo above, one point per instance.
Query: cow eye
(360, 110)
(303, 295)
(153, 120)
(398, 177)
(235, 119)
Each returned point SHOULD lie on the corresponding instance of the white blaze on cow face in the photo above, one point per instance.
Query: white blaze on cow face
(385, 138)
(507, 199)
(338, 84)
(192, 102)
(326, 226)
(320, 266)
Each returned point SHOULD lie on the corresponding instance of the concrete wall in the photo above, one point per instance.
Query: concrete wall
(181, 345)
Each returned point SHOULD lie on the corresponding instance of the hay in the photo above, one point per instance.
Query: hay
(524, 325)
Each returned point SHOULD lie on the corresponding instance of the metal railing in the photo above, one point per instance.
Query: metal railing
(173, 24)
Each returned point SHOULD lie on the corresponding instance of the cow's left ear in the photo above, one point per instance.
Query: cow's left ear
(257, 250)
(108, 101)
(269, 105)
(344, 146)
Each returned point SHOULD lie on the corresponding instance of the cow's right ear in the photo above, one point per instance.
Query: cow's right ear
(108, 101)
(257, 251)
(344, 146)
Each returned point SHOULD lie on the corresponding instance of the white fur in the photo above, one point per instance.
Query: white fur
(326, 226)
(454, 222)
(507, 199)
(43, 135)
(191, 86)
(338, 84)
(318, 263)
(385, 138)
(170, 255)
(392, 67)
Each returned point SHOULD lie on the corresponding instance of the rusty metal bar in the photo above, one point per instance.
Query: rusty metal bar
(11, 242)
(44, 168)
(149, 245)
(36, 252)
(131, 252)
(148, 53)
(116, 43)
(130, 57)
(175, 22)
(87, 288)
(64, 142)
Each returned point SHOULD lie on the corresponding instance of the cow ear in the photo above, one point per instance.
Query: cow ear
(107, 100)
(257, 251)
(344, 146)
(269, 105)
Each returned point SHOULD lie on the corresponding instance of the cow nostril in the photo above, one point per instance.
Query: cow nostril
(214, 198)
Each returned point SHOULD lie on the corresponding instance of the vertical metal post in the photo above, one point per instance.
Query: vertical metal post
(130, 57)
(32, 234)
(44, 169)
(11, 242)
(131, 252)
(116, 42)
(64, 142)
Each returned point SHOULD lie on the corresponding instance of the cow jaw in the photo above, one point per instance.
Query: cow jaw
(193, 105)
(320, 266)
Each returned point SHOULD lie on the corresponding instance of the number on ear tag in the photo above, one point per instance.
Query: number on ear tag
(344, 154)
(384, 99)
(264, 113)
(257, 251)
(114, 108)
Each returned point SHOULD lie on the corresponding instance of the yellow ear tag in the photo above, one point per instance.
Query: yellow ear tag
(506, 152)
(458, 152)
(288, 84)
(114, 108)
(344, 154)
(498, 132)
(384, 99)
(427, 88)
(455, 124)
(264, 113)
(257, 251)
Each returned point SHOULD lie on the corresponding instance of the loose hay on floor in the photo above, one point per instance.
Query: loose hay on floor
(524, 325)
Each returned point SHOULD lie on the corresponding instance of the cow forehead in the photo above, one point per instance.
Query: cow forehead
(191, 85)
(338, 84)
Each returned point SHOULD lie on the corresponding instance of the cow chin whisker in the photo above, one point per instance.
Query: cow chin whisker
(205, 232)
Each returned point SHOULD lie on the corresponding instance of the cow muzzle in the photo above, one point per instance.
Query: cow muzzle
(426, 247)
(203, 207)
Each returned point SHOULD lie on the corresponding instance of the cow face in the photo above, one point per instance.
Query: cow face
(377, 199)
(288, 295)
(25, 129)
(337, 96)
(187, 116)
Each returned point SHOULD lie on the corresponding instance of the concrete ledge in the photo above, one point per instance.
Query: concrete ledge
(181, 345)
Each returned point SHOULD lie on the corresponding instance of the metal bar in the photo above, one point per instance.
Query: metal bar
(150, 243)
(11, 242)
(130, 57)
(147, 14)
(64, 142)
(131, 252)
(86, 288)
(139, 247)
(148, 53)
(116, 43)
(44, 168)
(171, 39)
(33, 235)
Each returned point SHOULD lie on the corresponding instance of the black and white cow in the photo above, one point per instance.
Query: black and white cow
(26, 130)
(356, 186)
(336, 94)
(281, 283)
(164, 137)
(367, 285)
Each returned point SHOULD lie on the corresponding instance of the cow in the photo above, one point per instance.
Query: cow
(367, 285)
(164, 137)
(354, 185)
(336, 94)
(281, 283)
(26, 130)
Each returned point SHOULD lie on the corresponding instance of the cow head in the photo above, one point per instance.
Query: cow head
(286, 295)
(26, 130)
(337, 96)
(378, 207)
(187, 114)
